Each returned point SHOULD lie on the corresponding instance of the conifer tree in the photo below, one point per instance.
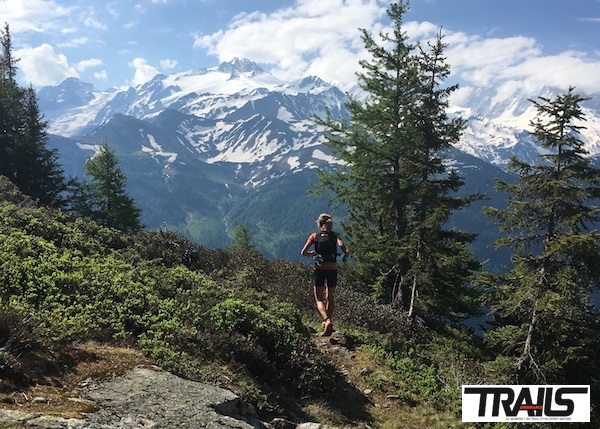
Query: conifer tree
(38, 172)
(242, 239)
(10, 105)
(104, 197)
(24, 156)
(550, 330)
(396, 188)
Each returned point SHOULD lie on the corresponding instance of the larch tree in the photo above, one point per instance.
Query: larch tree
(104, 197)
(393, 181)
(549, 327)
(243, 240)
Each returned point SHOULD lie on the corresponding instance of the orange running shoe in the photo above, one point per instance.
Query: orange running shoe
(328, 325)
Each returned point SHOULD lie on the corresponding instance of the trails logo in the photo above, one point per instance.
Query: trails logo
(526, 403)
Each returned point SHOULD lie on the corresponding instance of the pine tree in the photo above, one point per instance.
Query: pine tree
(10, 104)
(550, 327)
(24, 157)
(37, 169)
(8, 64)
(242, 240)
(104, 197)
(394, 183)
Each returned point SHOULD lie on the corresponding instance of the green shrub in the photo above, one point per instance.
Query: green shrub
(60, 228)
(277, 337)
(17, 332)
(183, 304)
(10, 193)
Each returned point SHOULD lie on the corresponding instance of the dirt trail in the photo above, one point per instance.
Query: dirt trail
(359, 368)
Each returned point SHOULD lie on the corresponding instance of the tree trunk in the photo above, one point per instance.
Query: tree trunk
(413, 292)
(526, 355)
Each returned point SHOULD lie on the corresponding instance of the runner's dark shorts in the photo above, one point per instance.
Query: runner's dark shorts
(326, 276)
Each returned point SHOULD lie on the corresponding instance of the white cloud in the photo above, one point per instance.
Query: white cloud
(42, 66)
(31, 15)
(101, 75)
(518, 64)
(130, 24)
(569, 68)
(112, 10)
(306, 38)
(480, 60)
(143, 71)
(86, 64)
(168, 64)
(92, 22)
(74, 43)
(420, 30)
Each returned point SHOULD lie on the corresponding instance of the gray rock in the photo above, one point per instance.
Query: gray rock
(282, 424)
(13, 417)
(52, 422)
(144, 398)
(309, 426)
(39, 400)
(105, 420)
(82, 401)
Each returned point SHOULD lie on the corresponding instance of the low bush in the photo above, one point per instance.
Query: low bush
(278, 337)
(180, 303)
(25, 355)
(17, 332)
(11, 194)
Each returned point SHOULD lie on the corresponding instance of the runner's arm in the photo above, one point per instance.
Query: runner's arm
(309, 242)
(342, 246)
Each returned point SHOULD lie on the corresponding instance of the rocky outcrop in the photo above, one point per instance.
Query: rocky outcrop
(144, 398)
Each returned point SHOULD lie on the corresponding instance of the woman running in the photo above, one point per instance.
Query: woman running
(325, 254)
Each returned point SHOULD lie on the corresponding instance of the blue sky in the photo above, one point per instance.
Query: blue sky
(504, 43)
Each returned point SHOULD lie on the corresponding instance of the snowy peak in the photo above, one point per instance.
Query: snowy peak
(240, 66)
(72, 92)
(238, 113)
(498, 124)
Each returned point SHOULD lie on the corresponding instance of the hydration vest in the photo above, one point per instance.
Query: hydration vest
(326, 245)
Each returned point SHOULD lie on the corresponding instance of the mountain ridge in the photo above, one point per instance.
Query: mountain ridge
(496, 126)
(204, 142)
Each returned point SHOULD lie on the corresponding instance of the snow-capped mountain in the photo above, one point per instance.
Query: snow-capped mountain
(239, 113)
(498, 125)
(207, 149)
(235, 113)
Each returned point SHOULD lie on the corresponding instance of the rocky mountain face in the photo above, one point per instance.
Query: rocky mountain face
(209, 149)
(498, 124)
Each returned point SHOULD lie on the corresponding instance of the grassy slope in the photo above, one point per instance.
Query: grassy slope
(65, 282)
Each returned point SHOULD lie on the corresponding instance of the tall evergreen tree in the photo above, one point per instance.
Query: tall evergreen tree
(242, 239)
(104, 197)
(394, 183)
(9, 103)
(37, 170)
(550, 327)
(24, 157)
(8, 63)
